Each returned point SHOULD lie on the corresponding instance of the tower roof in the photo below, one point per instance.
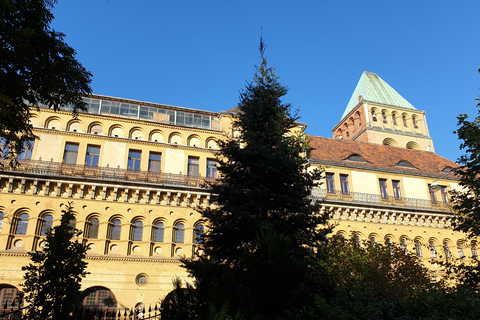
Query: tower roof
(373, 89)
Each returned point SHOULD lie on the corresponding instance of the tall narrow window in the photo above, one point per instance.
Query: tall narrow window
(474, 252)
(2, 215)
(211, 169)
(137, 231)
(154, 162)
(330, 183)
(415, 122)
(199, 230)
(115, 229)
(433, 195)
(93, 156)
(374, 116)
(27, 152)
(3, 147)
(373, 241)
(359, 117)
(193, 166)
(433, 251)
(22, 224)
(418, 248)
(91, 227)
(384, 117)
(394, 119)
(47, 223)
(70, 154)
(158, 232)
(403, 245)
(396, 190)
(461, 254)
(404, 119)
(344, 183)
(444, 193)
(383, 188)
(134, 158)
(446, 248)
(179, 233)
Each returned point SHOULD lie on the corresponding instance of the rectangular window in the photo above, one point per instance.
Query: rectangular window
(154, 162)
(27, 152)
(211, 169)
(344, 184)
(433, 195)
(71, 152)
(383, 188)
(444, 192)
(193, 166)
(330, 183)
(93, 155)
(394, 119)
(396, 189)
(134, 158)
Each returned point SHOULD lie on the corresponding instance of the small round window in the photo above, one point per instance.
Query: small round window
(141, 279)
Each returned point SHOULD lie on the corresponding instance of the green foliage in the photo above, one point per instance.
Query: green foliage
(256, 254)
(52, 280)
(37, 67)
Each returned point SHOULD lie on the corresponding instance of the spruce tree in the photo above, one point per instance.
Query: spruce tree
(257, 252)
(52, 280)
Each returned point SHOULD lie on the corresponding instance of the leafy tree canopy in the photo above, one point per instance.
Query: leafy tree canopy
(52, 280)
(37, 68)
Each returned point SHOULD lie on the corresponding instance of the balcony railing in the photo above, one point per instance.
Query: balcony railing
(369, 198)
(105, 173)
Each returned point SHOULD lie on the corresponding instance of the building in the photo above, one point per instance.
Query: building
(135, 171)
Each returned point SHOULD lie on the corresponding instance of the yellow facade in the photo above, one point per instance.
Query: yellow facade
(135, 176)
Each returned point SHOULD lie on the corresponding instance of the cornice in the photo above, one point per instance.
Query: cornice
(133, 259)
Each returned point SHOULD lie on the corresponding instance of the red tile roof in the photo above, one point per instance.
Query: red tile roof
(334, 151)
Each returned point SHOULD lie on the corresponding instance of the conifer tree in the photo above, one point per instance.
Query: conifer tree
(52, 280)
(256, 254)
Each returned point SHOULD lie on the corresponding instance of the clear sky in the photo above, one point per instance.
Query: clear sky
(200, 53)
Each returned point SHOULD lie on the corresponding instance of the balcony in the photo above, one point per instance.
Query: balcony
(376, 199)
(51, 168)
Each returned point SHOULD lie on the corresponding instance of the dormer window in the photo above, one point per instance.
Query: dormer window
(355, 157)
(405, 164)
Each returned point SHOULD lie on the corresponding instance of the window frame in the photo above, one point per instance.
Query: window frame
(193, 166)
(70, 156)
(155, 162)
(344, 184)
(330, 182)
(134, 163)
(383, 188)
(137, 230)
(92, 228)
(90, 162)
(397, 192)
(179, 233)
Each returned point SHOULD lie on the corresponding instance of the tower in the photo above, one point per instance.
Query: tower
(378, 114)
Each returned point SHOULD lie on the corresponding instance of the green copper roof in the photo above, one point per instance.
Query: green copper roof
(373, 89)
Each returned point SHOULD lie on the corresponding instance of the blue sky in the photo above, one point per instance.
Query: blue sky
(200, 53)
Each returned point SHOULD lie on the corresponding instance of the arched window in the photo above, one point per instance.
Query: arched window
(97, 298)
(22, 224)
(158, 232)
(137, 231)
(374, 116)
(446, 248)
(115, 229)
(461, 254)
(1, 220)
(415, 122)
(403, 245)
(433, 251)
(47, 223)
(404, 119)
(359, 119)
(373, 241)
(384, 117)
(199, 231)
(9, 298)
(394, 119)
(418, 248)
(179, 233)
(73, 223)
(91, 228)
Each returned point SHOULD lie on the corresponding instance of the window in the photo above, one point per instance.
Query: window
(415, 123)
(418, 248)
(394, 119)
(384, 117)
(3, 147)
(73, 223)
(93, 155)
(373, 241)
(199, 231)
(9, 299)
(2, 215)
(433, 251)
(374, 116)
(46, 225)
(134, 158)
(403, 245)
(22, 224)
(71, 152)
(474, 252)
(344, 183)
(91, 227)
(179, 233)
(96, 129)
(383, 188)
(137, 231)
(211, 169)
(99, 297)
(27, 152)
(193, 166)
(446, 248)
(330, 183)
(115, 229)
(461, 254)
(444, 192)
(396, 190)
(433, 195)
(158, 232)
(359, 119)
(404, 119)
(155, 162)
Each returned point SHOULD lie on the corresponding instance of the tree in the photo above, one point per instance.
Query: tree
(52, 280)
(257, 252)
(37, 68)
